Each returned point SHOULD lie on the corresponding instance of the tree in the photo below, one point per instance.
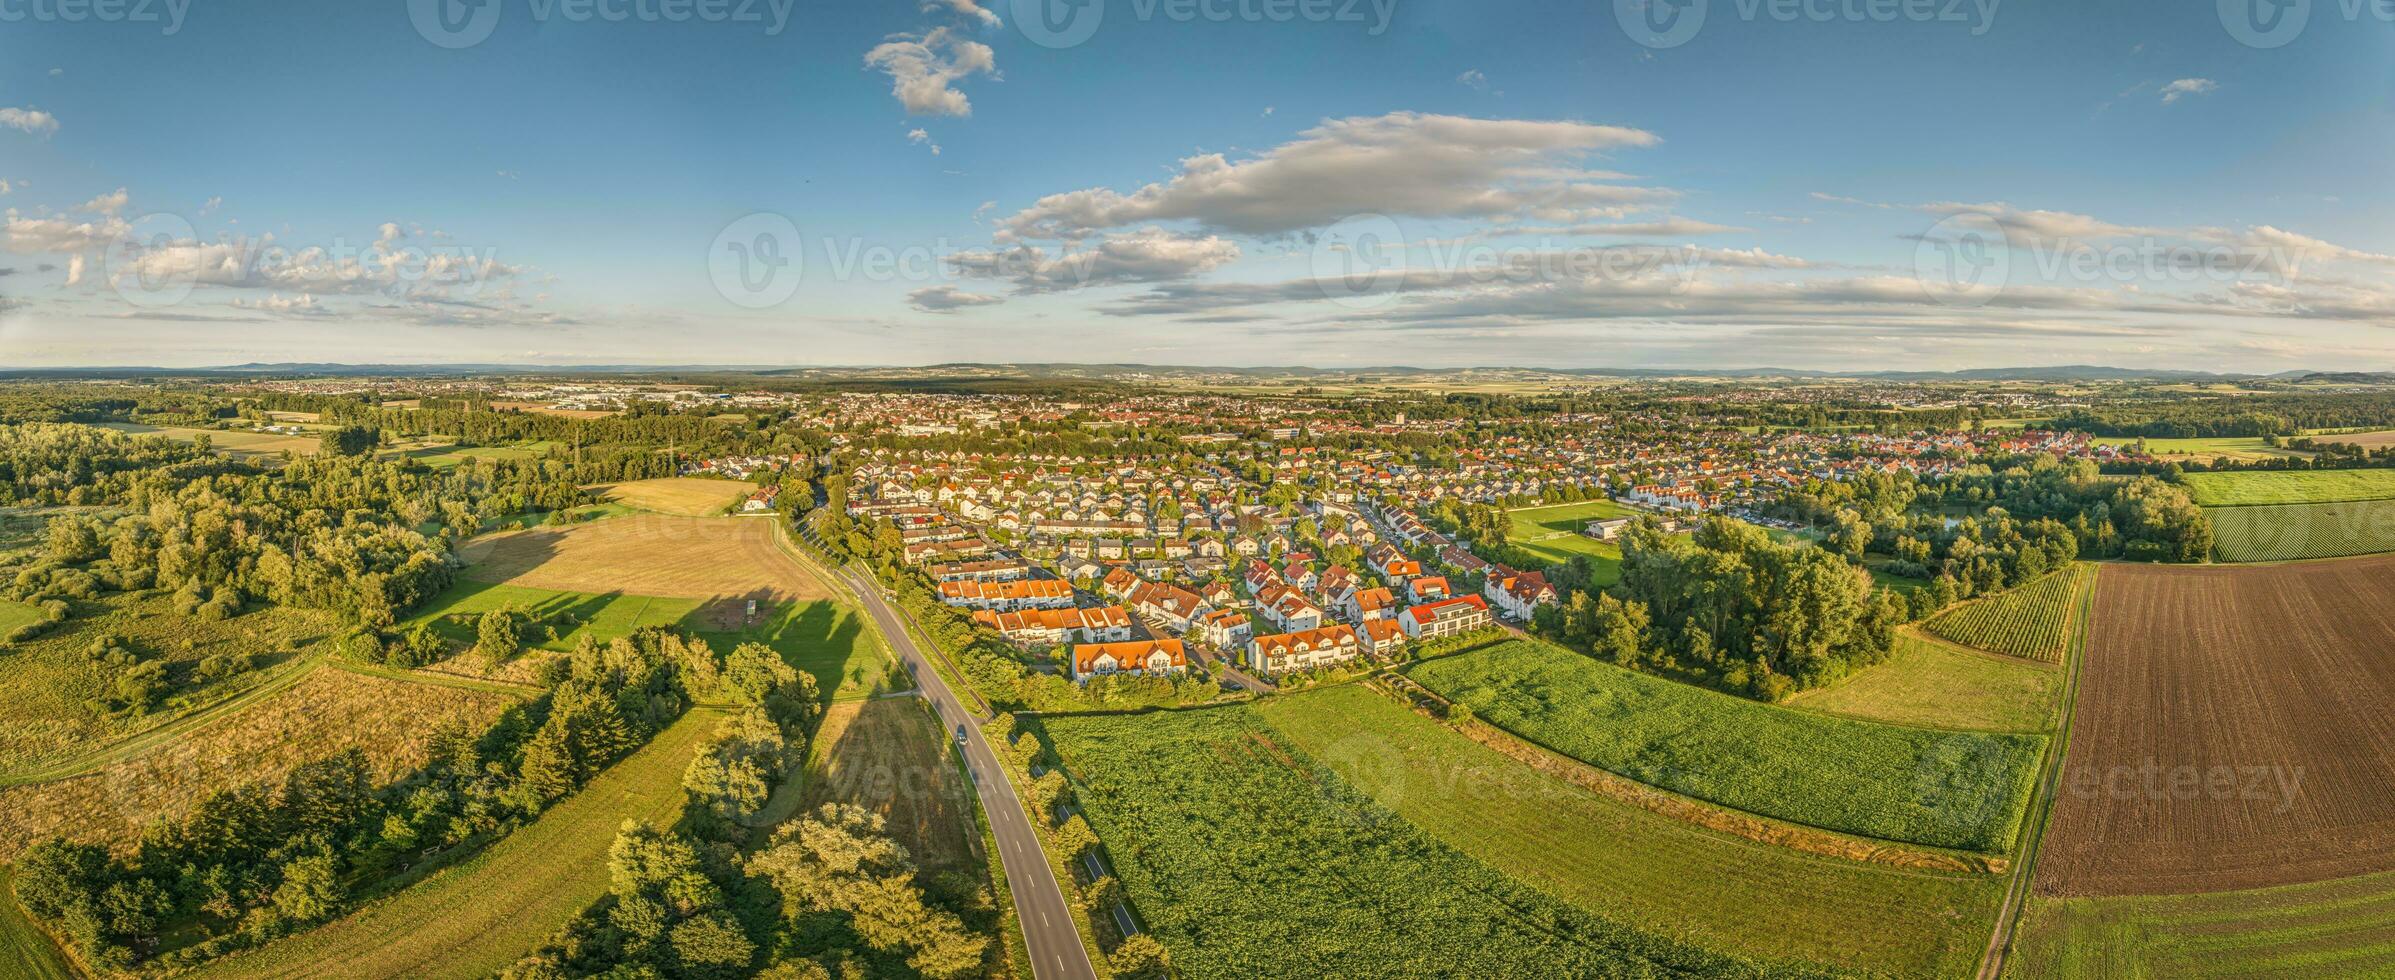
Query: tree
(348, 440)
(310, 892)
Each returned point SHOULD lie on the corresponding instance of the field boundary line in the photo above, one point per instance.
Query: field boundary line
(2041, 809)
(157, 736)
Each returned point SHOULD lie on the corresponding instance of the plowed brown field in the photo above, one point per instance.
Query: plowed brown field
(2235, 728)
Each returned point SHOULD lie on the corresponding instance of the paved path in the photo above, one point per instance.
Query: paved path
(1048, 931)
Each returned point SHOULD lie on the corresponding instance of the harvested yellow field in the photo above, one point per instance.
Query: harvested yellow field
(326, 713)
(228, 441)
(727, 560)
(537, 408)
(681, 496)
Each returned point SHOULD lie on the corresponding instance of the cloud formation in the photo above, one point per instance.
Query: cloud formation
(924, 69)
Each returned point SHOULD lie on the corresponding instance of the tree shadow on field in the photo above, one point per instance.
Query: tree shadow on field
(816, 637)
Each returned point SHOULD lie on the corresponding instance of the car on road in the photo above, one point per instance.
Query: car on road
(960, 734)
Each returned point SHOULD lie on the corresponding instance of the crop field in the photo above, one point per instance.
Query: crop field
(2231, 731)
(1247, 858)
(2254, 487)
(890, 756)
(1961, 790)
(1629, 865)
(680, 496)
(2036, 621)
(2290, 532)
(228, 442)
(327, 712)
(2366, 440)
(1932, 684)
(1552, 534)
(2340, 928)
(2243, 449)
(725, 560)
(543, 408)
(479, 916)
(46, 682)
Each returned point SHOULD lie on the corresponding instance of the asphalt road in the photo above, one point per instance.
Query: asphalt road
(1048, 932)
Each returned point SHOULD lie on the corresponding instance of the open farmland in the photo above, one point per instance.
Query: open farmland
(231, 442)
(889, 755)
(327, 712)
(2241, 449)
(1933, 684)
(2036, 620)
(2231, 731)
(2366, 440)
(1247, 858)
(1957, 790)
(455, 612)
(2255, 487)
(1629, 865)
(823, 638)
(2290, 532)
(46, 683)
(679, 496)
(724, 560)
(2340, 928)
(479, 916)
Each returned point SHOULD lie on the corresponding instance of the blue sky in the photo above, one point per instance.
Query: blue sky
(1409, 183)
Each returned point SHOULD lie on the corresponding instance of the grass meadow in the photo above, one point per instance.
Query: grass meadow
(2259, 487)
(2339, 928)
(1551, 535)
(1629, 865)
(25, 952)
(1960, 790)
(1934, 684)
(476, 918)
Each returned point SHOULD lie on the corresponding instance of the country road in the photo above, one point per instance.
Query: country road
(1052, 940)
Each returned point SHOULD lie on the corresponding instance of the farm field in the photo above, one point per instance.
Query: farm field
(1552, 534)
(1628, 865)
(480, 916)
(822, 637)
(2036, 621)
(46, 682)
(25, 953)
(724, 560)
(2289, 532)
(1958, 790)
(2340, 928)
(541, 408)
(325, 713)
(888, 755)
(2251, 487)
(454, 613)
(679, 496)
(2243, 449)
(1930, 683)
(2231, 731)
(1245, 857)
(228, 442)
(2366, 440)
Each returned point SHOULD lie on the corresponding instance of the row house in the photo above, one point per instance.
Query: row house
(1042, 593)
(946, 551)
(1087, 624)
(1462, 614)
(1304, 650)
(994, 570)
(1139, 658)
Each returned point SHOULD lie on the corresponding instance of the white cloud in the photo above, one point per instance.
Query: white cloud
(56, 235)
(923, 68)
(110, 204)
(5, 187)
(2184, 87)
(29, 120)
(948, 299)
(923, 137)
(1402, 164)
(74, 269)
(1473, 79)
(1147, 255)
(964, 8)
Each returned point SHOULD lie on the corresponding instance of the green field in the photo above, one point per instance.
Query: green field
(15, 614)
(480, 916)
(2343, 928)
(1929, 683)
(25, 953)
(1628, 865)
(1913, 785)
(1551, 535)
(821, 637)
(1246, 858)
(2252, 487)
(2035, 621)
(2294, 531)
(2239, 448)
